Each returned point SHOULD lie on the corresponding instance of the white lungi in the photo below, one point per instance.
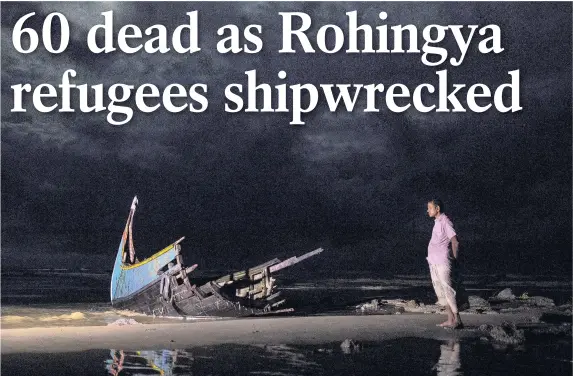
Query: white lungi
(443, 285)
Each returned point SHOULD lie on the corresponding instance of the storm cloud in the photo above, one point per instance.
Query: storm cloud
(248, 186)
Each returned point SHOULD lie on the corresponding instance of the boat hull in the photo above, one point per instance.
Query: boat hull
(160, 285)
(204, 301)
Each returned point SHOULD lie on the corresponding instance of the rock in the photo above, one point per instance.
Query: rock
(394, 302)
(412, 304)
(431, 308)
(506, 333)
(348, 346)
(371, 306)
(540, 301)
(122, 322)
(505, 294)
(565, 307)
(523, 296)
(478, 303)
(399, 305)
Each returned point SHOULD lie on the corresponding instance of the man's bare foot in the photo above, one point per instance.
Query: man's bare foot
(446, 324)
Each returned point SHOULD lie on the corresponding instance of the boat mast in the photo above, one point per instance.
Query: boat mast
(130, 233)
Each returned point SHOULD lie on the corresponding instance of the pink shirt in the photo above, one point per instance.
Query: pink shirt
(443, 232)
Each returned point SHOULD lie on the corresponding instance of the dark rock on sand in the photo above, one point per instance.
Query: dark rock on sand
(505, 294)
(348, 346)
(565, 308)
(477, 305)
(412, 304)
(389, 307)
(369, 306)
(506, 333)
(539, 301)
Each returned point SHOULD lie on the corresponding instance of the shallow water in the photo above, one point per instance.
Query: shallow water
(406, 356)
(59, 297)
(44, 298)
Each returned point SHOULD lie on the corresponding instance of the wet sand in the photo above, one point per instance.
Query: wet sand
(269, 330)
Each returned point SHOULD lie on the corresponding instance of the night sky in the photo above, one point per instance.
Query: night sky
(246, 187)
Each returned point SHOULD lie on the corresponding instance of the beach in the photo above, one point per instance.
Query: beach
(272, 331)
(346, 344)
(352, 325)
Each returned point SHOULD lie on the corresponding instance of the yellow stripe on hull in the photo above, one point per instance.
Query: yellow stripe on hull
(163, 251)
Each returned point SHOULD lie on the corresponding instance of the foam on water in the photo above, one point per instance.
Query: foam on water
(69, 315)
(65, 317)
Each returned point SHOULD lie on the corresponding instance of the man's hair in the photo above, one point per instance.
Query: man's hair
(438, 202)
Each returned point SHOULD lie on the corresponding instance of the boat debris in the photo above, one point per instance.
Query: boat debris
(161, 285)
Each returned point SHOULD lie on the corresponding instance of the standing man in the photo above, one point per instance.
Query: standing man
(441, 261)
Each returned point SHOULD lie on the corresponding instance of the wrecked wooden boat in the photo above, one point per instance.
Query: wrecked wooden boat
(161, 285)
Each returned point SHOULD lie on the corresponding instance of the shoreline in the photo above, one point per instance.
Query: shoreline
(269, 330)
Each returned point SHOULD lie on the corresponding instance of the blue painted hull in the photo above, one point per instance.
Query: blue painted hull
(198, 301)
(160, 285)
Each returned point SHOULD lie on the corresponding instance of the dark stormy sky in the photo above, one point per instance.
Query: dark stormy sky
(246, 187)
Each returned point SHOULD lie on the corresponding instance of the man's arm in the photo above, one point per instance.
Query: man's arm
(455, 246)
